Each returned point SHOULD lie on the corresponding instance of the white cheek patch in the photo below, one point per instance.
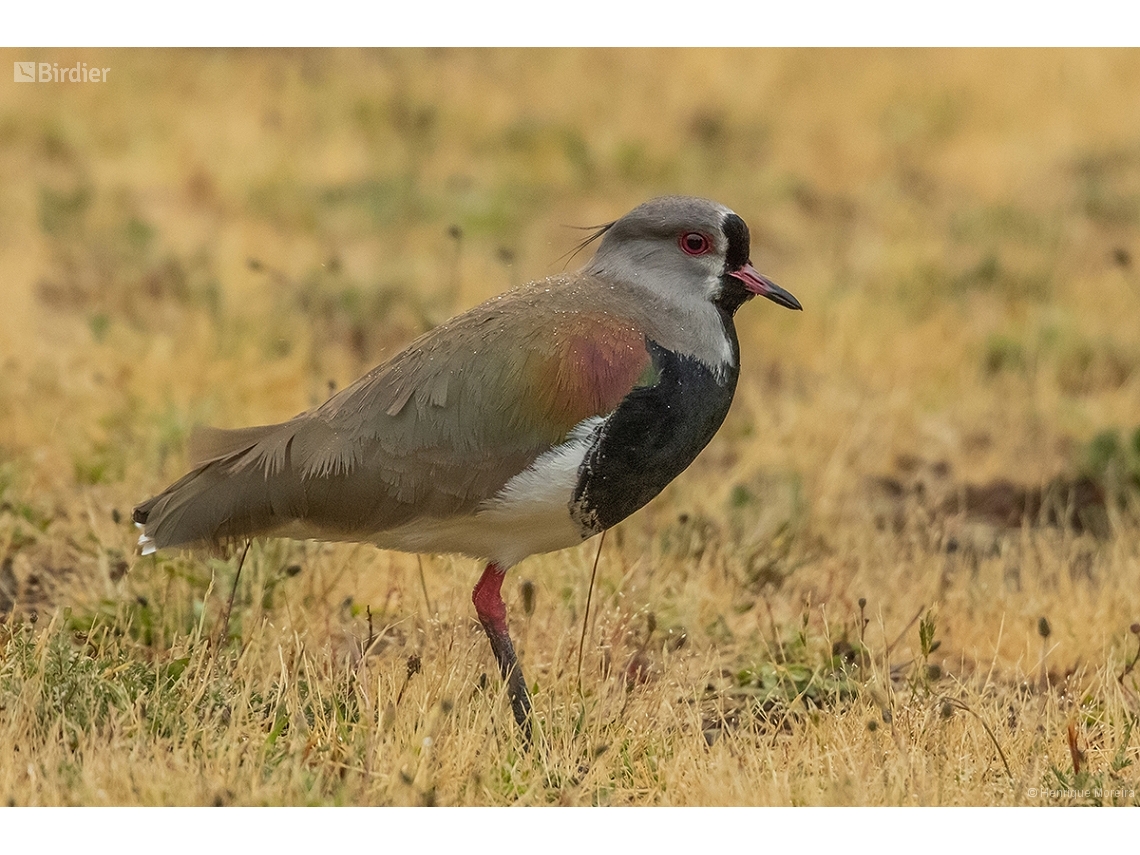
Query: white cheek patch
(702, 329)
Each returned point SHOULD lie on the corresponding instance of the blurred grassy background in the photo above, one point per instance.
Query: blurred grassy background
(952, 424)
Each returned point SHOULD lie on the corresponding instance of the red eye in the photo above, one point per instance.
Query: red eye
(695, 243)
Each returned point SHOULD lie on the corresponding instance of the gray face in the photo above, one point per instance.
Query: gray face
(673, 251)
(674, 245)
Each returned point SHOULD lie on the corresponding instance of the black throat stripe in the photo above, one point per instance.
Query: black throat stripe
(733, 294)
(739, 243)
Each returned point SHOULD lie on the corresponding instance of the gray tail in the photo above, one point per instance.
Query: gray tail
(227, 496)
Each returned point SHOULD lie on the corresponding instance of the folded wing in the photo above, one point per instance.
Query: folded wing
(434, 432)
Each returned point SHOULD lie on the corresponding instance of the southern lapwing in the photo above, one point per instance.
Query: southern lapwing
(528, 424)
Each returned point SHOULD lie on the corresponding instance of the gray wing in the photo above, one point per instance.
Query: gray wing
(434, 432)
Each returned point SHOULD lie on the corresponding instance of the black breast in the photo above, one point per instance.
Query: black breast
(653, 435)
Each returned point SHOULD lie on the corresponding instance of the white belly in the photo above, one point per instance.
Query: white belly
(531, 514)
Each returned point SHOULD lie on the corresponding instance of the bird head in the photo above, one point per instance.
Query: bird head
(680, 247)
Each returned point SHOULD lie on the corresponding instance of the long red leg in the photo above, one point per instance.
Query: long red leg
(492, 613)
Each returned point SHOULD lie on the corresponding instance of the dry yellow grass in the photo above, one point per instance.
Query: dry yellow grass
(219, 236)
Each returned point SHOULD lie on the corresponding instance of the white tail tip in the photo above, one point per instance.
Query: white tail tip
(146, 544)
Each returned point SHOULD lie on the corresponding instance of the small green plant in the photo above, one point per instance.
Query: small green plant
(929, 672)
(1003, 354)
(800, 676)
(1113, 460)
